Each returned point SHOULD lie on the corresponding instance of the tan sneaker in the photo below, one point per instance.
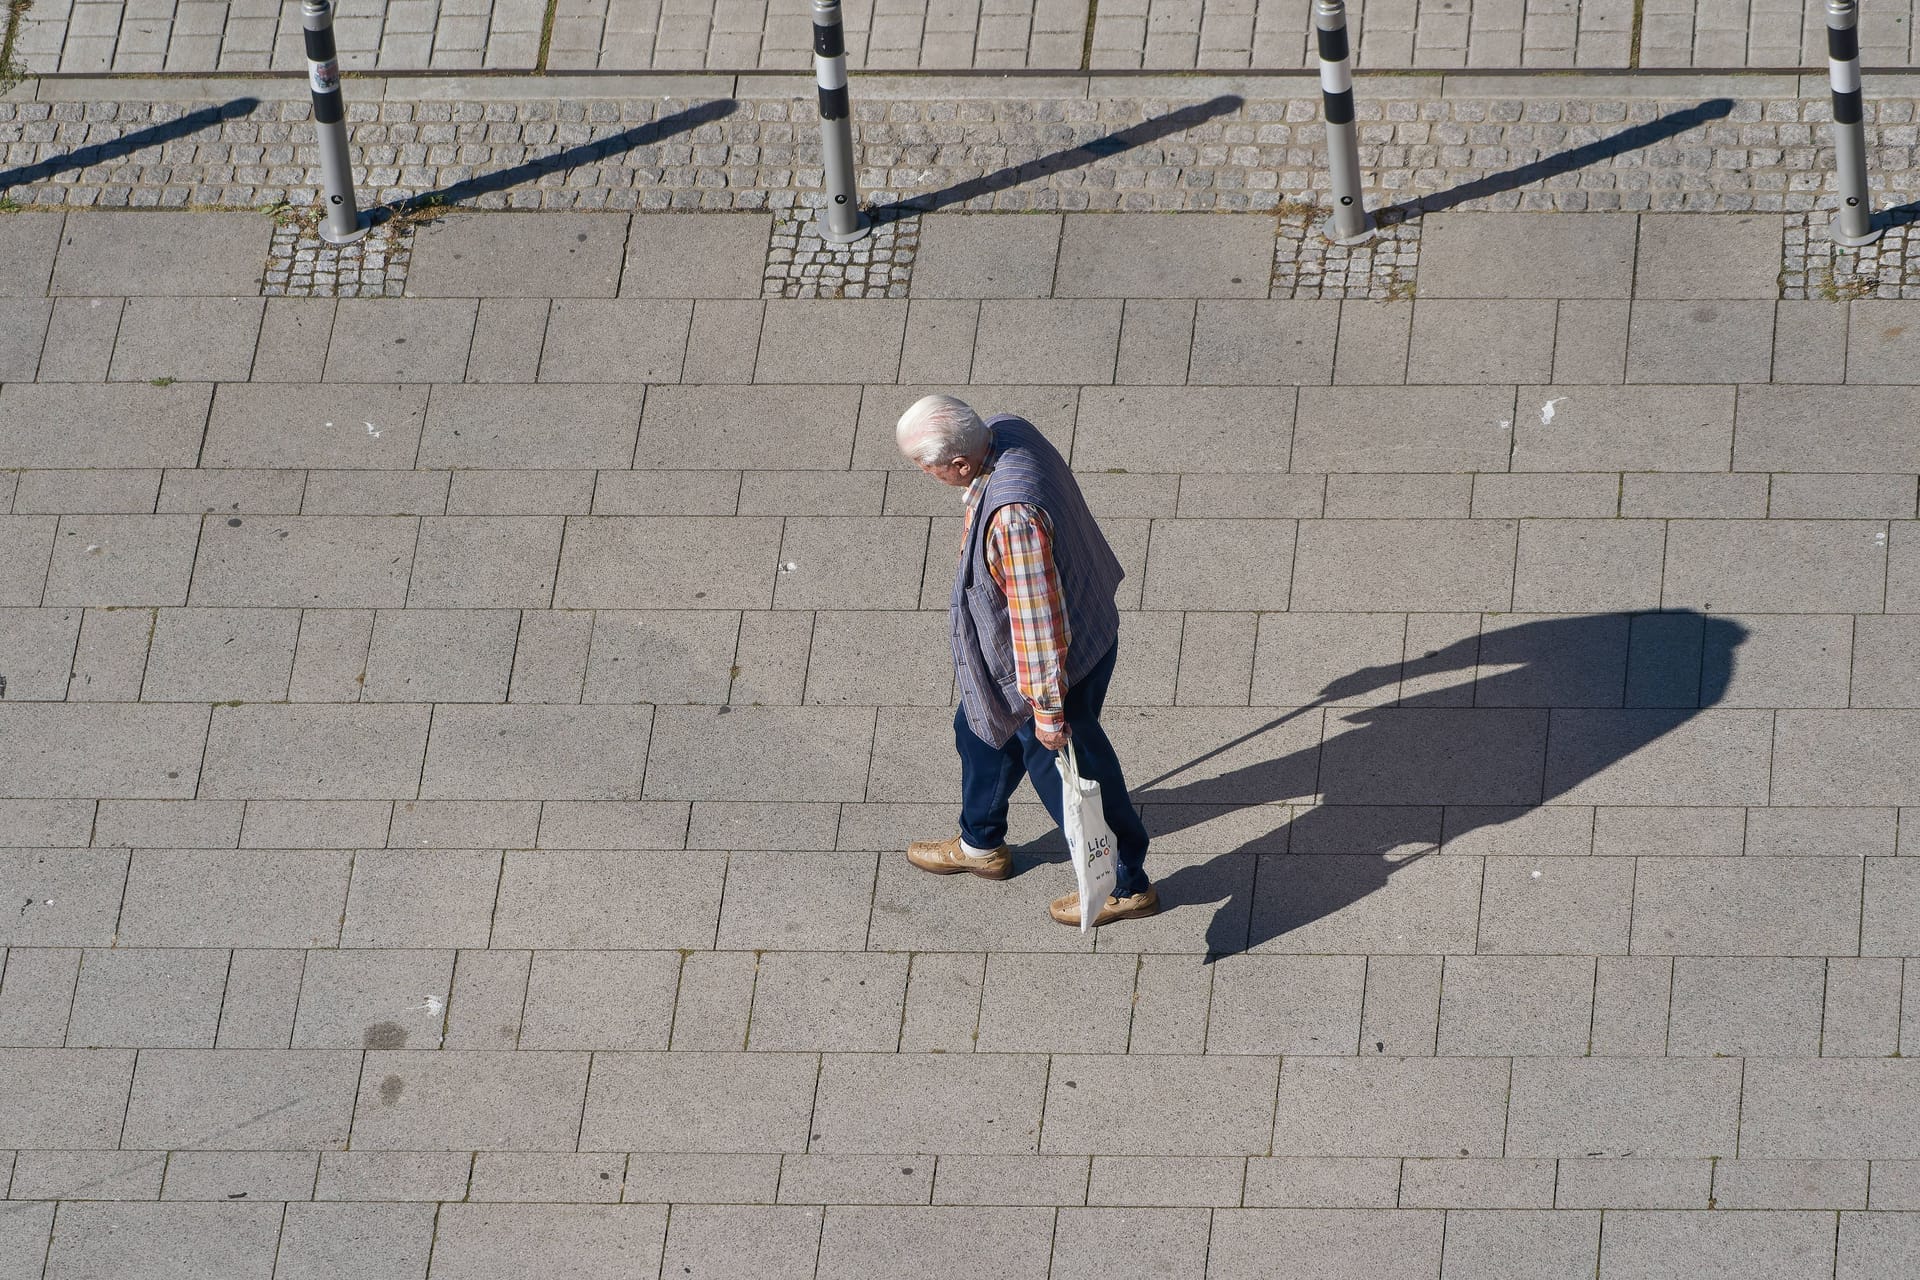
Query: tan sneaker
(1067, 910)
(944, 858)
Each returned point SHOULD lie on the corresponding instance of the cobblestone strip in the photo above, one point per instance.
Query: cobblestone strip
(302, 265)
(1814, 267)
(1768, 156)
(802, 264)
(1307, 265)
(1764, 155)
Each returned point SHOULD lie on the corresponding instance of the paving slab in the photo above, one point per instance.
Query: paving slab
(696, 1103)
(132, 425)
(110, 254)
(345, 752)
(807, 341)
(79, 1098)
(629, 562)
(971, 257)
(380, 1242)
(1370, 1106)
(1663, 1108)
(1338, 1244)
(1867, 1244)
(1674, 341)
(594, 1242)
(1802, 429)
(1560, 1245)
(50, 751)
(186, 339)
(401, 340)
(715, 1240)
(1035, 340)
(1267, 344)
(725, 427)
(241, 1100)
(1729, 256)
(86, 1175)
(27, 253)
(518, 255)
(1405, 565)
(594, 340)
(965, 1243)
(1131, 255)
(1474, 342)
(139, 998)
(676, 905)
(234, 898)
(1513, 255)
(1878, 341)
(688, 255)
(152, 1241)
(810, 1000)
(1717, 906)
(1829, 1109)
(24, 325)
(480, 1101)
(538, 428)
(880, 1104)
(1677, 1244)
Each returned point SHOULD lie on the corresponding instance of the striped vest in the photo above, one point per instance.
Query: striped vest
(1027, 469)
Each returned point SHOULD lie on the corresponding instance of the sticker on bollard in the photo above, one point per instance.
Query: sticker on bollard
(324, 76)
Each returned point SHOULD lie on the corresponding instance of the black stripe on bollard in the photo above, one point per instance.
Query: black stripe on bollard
(1339, 107)
(329, 108)
(833, 103)
(1333, 44)
(1843, 44)
(829, 42)
(320, 45)
(1847, 107)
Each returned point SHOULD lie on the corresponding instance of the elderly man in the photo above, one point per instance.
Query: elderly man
(1034, 628)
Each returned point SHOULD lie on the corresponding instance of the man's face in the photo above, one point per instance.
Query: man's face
(958, 472)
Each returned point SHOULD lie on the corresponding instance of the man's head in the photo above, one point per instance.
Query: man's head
(945, 438)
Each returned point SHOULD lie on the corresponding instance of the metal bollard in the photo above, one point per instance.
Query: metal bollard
(342, 222)
(1853, 221)
(1350, 223)
(841, 221)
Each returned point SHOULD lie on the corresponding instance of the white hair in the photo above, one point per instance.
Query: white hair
(940, 428)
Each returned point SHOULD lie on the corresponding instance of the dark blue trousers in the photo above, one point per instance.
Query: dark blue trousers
(990, 775)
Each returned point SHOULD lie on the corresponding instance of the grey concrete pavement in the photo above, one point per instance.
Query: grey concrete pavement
(89, 37)
(455, 755)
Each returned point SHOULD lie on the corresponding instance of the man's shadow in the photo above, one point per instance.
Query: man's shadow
(1545, 706)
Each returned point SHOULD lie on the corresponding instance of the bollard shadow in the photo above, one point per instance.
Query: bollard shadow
(567, 159)
(1086, 153)
(1899, 215)
(1553, 703)
(1632, 138)
(119, 148)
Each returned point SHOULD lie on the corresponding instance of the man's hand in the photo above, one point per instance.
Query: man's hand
(1050, 740)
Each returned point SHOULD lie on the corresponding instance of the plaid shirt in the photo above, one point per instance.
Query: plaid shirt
(1019, 554)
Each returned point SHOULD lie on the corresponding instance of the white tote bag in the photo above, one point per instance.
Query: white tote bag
(1089, 839)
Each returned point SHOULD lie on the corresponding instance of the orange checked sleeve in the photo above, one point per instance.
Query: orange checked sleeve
(1020, 558)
